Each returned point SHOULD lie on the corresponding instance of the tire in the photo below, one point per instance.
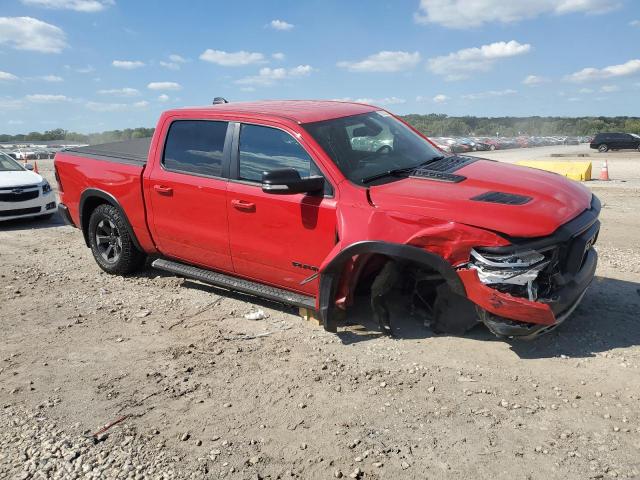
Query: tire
(603, 148)
(111, 244)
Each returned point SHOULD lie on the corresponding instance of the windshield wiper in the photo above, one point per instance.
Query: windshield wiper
(398, 171)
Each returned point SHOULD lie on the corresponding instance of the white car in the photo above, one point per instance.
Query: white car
(23, 193)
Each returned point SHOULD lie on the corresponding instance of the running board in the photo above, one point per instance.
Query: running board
(236, 284)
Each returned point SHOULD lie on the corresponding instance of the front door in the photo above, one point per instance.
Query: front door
(277, 239)
(187, 194)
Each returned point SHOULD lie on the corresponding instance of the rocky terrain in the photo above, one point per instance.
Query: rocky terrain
(188, 387)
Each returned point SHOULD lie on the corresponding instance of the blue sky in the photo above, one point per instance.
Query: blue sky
(93, 65)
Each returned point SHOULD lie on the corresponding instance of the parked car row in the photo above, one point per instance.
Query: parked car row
(480, 144)
(31, 153)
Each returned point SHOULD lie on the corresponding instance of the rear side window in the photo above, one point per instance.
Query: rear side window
(195, 146)
(264, 148)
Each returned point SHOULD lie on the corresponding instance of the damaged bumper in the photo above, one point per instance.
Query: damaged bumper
(530, 287)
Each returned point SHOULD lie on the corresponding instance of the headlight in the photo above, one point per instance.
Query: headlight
(510, 271)
(46, 188)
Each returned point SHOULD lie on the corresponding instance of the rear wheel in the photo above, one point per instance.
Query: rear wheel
(110, 241)
(603, 148)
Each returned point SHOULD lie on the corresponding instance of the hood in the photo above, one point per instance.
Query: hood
(553, 199)
(19, 178)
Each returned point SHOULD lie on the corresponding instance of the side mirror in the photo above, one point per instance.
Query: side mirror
(287, 181)
(28, 166)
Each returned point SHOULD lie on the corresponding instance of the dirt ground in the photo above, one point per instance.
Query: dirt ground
(207, 393)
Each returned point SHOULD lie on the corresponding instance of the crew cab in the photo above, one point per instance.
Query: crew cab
(311, 203)
(23, 193)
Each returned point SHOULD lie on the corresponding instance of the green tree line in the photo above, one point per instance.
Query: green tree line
(91, 138)
(431, 124)
(444, 125)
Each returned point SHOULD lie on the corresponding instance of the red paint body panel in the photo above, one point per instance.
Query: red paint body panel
(234, 227)
(503, 304)
(555, 200)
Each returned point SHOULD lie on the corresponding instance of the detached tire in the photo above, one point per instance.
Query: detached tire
(603, 148)
(111, 243)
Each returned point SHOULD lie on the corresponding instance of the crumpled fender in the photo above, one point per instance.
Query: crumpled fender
(364, 229)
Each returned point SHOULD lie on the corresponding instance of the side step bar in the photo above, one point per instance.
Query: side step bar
(235, 284)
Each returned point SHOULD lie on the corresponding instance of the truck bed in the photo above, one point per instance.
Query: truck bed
(133, 151)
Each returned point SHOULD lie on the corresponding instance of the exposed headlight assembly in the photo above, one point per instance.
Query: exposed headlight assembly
(517, 269)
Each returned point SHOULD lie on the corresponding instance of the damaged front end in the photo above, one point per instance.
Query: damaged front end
(514, 273)
(531, 286)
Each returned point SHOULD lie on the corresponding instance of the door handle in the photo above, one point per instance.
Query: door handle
(243, 205)
(162, 190)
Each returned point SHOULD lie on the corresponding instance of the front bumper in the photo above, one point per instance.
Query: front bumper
(514, 316)
(41, 205)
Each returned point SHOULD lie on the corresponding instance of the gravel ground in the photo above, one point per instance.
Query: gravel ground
(199, 391)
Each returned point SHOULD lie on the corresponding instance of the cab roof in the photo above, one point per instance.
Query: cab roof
(299, 111)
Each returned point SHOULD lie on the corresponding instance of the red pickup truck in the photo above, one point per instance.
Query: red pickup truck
(311, 203)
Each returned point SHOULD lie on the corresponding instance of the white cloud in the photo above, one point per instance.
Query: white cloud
(247, 89)
(47, 98)
(474, 13)
(534, 80)
(26, 33)
(77, 5)
(590, 74)
(115, 107)
(440, 98)
(610, 88)
(174, 63)
(458, 65)
(16, 122)
(384, 61)
(120, 92)
(164, 86)
(278, 56)
(9, 103)
(373, 101)
(52, 78)
(127, 64)
(574, 99)
(635, 23)
(232, 59)
(280, 25)
(163, 98)
(585, 90)
(7, 76)
(169, 65)
(269, 76)
(489, 94)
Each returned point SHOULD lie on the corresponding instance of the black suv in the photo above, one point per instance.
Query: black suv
(615, 141)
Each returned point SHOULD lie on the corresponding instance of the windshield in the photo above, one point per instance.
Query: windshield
(368, 145)
(8, 164)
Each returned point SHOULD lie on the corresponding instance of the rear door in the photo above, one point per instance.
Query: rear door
(187, 193)
(277, 239)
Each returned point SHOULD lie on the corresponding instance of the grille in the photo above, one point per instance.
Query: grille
(9, 196)
(502, 198)
(19, 211)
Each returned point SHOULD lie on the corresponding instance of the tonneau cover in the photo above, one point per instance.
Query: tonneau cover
(133, 151)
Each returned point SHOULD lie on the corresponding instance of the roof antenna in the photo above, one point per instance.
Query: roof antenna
(219, 100)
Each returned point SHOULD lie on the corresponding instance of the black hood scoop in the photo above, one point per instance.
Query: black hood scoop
(502, 198)
(443, 169)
